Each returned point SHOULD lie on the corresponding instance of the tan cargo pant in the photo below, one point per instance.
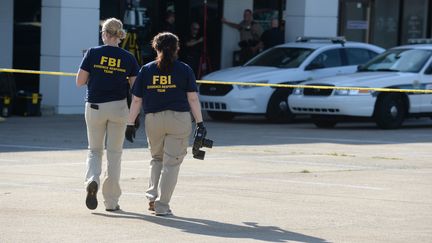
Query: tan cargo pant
(107, 124)
(168, 136)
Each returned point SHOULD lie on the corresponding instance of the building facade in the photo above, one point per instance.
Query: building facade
(51, 35)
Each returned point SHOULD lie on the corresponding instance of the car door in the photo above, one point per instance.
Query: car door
(327, 63)
(426, 100)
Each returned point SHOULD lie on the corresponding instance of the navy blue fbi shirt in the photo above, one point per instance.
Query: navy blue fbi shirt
(162, 92)
(108, 68)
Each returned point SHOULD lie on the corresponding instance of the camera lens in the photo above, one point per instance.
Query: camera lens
(199, 154)
(207, 143)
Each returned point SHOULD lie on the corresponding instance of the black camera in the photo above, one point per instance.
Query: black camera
(199, 142)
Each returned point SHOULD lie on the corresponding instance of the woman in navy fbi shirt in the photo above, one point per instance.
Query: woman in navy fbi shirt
(167, 90)
(105, 70)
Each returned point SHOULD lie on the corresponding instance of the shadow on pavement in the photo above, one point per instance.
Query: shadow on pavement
(250, 230)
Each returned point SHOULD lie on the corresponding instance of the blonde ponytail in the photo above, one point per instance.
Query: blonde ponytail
(114, 27)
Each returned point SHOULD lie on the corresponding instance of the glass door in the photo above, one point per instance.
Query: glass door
(354, 23)
(415, 20)
(385, 24)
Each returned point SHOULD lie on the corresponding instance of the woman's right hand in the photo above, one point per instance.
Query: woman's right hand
(130, 133)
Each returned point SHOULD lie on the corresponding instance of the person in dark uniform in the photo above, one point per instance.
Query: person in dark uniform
(105, 70)
(273, 36)
(193, 47)
(169, 22)
(167, 90)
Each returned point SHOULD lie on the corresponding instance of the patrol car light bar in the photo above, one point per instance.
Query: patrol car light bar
(338, 39)
(419, 41)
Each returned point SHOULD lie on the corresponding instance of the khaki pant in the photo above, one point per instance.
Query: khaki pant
(168, 136)
(106, 124)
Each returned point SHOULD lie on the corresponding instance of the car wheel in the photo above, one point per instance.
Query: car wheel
(277, 108)
(221, 115)
(390, 111)
(323, 122)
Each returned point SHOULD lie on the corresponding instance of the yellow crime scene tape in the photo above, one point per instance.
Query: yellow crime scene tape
(7, 70)
(423, 91)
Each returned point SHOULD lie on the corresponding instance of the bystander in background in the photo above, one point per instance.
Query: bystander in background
(169, 24)
(273, 36)
(193, 47)
(250, 34)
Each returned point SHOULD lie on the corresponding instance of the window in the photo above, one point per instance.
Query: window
(264, 11)
(358, 56)
(400, 60)
(281, 57)
(428, 71)
(327, 59)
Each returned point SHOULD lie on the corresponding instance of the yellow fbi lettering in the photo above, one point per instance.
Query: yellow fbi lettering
(162, 80)
(161, 83)
(112, 62)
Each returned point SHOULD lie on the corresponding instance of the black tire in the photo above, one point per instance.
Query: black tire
(221, 115)
(390, 111)
(277, 108)
(322, 122)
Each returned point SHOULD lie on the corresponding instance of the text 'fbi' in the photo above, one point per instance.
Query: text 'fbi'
(162, 80)
(112, 62)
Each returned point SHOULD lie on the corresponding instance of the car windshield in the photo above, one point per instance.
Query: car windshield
(399, 60)
(281, 57)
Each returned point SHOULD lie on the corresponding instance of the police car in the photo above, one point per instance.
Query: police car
(290, 63)
(404, 67)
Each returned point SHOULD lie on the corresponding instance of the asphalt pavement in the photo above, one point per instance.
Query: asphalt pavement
(261, 182)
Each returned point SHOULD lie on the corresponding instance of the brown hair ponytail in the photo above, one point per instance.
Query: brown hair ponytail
(166, 45)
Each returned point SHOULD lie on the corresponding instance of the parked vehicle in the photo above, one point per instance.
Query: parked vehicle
(290, 63)
(405, 67)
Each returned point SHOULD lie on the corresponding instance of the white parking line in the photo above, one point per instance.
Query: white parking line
(80, 190)
(256, 178)
(57, 164)
(34, 147)
(46, 147)
(336, 139)
(326, 164)
(8, 160)
(325, 184)
(287, 159)
(322, 184)
(44, 164)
